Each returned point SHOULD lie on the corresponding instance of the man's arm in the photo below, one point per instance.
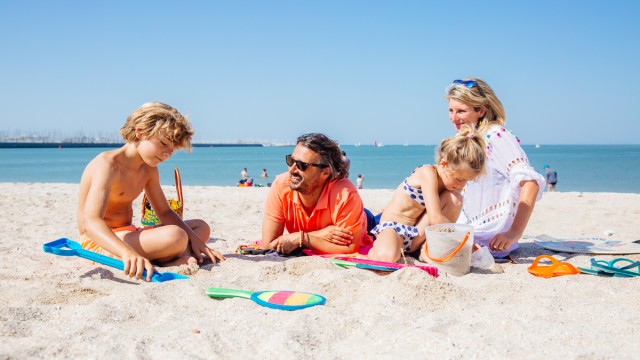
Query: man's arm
(271, 232)
(333, 240)
(349, 222)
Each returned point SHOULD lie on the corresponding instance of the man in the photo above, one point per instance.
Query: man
(552, 178)
(320, 209)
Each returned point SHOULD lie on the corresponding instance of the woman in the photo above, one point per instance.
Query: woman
(498, 205)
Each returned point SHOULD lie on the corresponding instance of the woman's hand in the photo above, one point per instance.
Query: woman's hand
(503, 241)
(335, 235)
(135, 264)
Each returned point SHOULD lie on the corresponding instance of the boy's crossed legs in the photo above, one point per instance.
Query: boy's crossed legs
(166, 245)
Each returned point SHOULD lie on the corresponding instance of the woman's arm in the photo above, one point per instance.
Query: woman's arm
(528, 194)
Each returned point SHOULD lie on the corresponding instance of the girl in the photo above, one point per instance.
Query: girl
(430, 195)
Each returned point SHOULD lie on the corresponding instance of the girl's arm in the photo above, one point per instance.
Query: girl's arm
(427, 176)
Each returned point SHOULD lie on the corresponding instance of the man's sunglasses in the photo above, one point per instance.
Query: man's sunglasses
(469, 84)
(301, 165)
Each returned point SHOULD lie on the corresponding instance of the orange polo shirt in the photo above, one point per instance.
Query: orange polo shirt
(339, 205)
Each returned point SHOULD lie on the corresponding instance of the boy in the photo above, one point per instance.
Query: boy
(114, 179)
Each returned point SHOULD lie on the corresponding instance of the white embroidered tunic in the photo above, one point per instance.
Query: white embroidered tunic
(490, 202)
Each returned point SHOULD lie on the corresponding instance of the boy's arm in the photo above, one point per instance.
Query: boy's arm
(169, 217)
(95, 227)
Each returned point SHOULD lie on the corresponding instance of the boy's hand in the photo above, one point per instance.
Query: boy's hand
(135, 264)
(198, 248)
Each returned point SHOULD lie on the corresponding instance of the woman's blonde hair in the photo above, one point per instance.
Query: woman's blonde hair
(465, 150)
(156, 118)
(478, 98)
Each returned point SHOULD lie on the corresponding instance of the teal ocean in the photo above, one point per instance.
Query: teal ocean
(592, 168)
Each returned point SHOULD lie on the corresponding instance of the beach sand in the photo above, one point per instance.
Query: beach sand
(66, 307)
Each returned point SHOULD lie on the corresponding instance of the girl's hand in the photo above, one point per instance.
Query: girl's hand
(135, 265)
(503, 241)
(335, 235)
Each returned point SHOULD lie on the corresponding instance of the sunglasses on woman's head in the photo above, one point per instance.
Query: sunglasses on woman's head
(469, 84)
(301, 165)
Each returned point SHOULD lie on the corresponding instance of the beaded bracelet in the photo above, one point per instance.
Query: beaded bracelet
(301, 239)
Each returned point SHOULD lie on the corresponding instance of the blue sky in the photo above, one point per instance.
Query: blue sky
(566, 71)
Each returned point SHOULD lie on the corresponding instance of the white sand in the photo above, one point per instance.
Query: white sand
(57, 307)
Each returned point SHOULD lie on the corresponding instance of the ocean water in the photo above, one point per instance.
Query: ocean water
(592, 168)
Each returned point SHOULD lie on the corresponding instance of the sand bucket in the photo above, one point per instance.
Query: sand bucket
(449, 247)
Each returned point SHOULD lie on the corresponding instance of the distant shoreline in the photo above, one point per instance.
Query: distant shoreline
(34, 145)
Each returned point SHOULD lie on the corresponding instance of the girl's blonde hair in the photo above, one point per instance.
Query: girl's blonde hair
(156, 118)
(485, 97)
(464, 150)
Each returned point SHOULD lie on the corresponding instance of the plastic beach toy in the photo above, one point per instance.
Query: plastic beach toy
(620, 267)
(281, 300)
(449, 247)
(380, 265)
(68, 247)
(556, 268)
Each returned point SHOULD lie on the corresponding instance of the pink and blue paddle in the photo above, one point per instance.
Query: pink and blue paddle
(281, 300)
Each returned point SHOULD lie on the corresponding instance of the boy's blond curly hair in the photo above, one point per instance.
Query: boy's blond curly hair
(156, 118)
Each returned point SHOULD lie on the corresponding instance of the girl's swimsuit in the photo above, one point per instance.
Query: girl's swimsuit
(407, 232)
(415, 194)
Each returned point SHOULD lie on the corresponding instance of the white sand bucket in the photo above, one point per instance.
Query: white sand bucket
(449, 247)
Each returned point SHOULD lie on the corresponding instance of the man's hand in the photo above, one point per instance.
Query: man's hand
(335, 235)
(286, 244)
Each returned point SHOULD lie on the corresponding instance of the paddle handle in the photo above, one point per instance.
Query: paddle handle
(223, 293)
(345, 263)
(68, 247)
(381, 265)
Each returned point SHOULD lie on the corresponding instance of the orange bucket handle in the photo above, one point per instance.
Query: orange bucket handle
(450, 256)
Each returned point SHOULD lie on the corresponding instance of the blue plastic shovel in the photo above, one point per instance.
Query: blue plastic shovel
(68, 247)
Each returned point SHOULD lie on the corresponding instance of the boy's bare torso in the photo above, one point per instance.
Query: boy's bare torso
(124, 182)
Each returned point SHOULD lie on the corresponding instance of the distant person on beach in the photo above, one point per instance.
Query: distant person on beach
(264, 174)
(346, 160)
(244, 173)
(552, 178)
(498, 205)
(318, 207)
(430, 195)
(359, 181)
(115, 178)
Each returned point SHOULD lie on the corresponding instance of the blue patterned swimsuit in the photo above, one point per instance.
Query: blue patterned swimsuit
(407, 232)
